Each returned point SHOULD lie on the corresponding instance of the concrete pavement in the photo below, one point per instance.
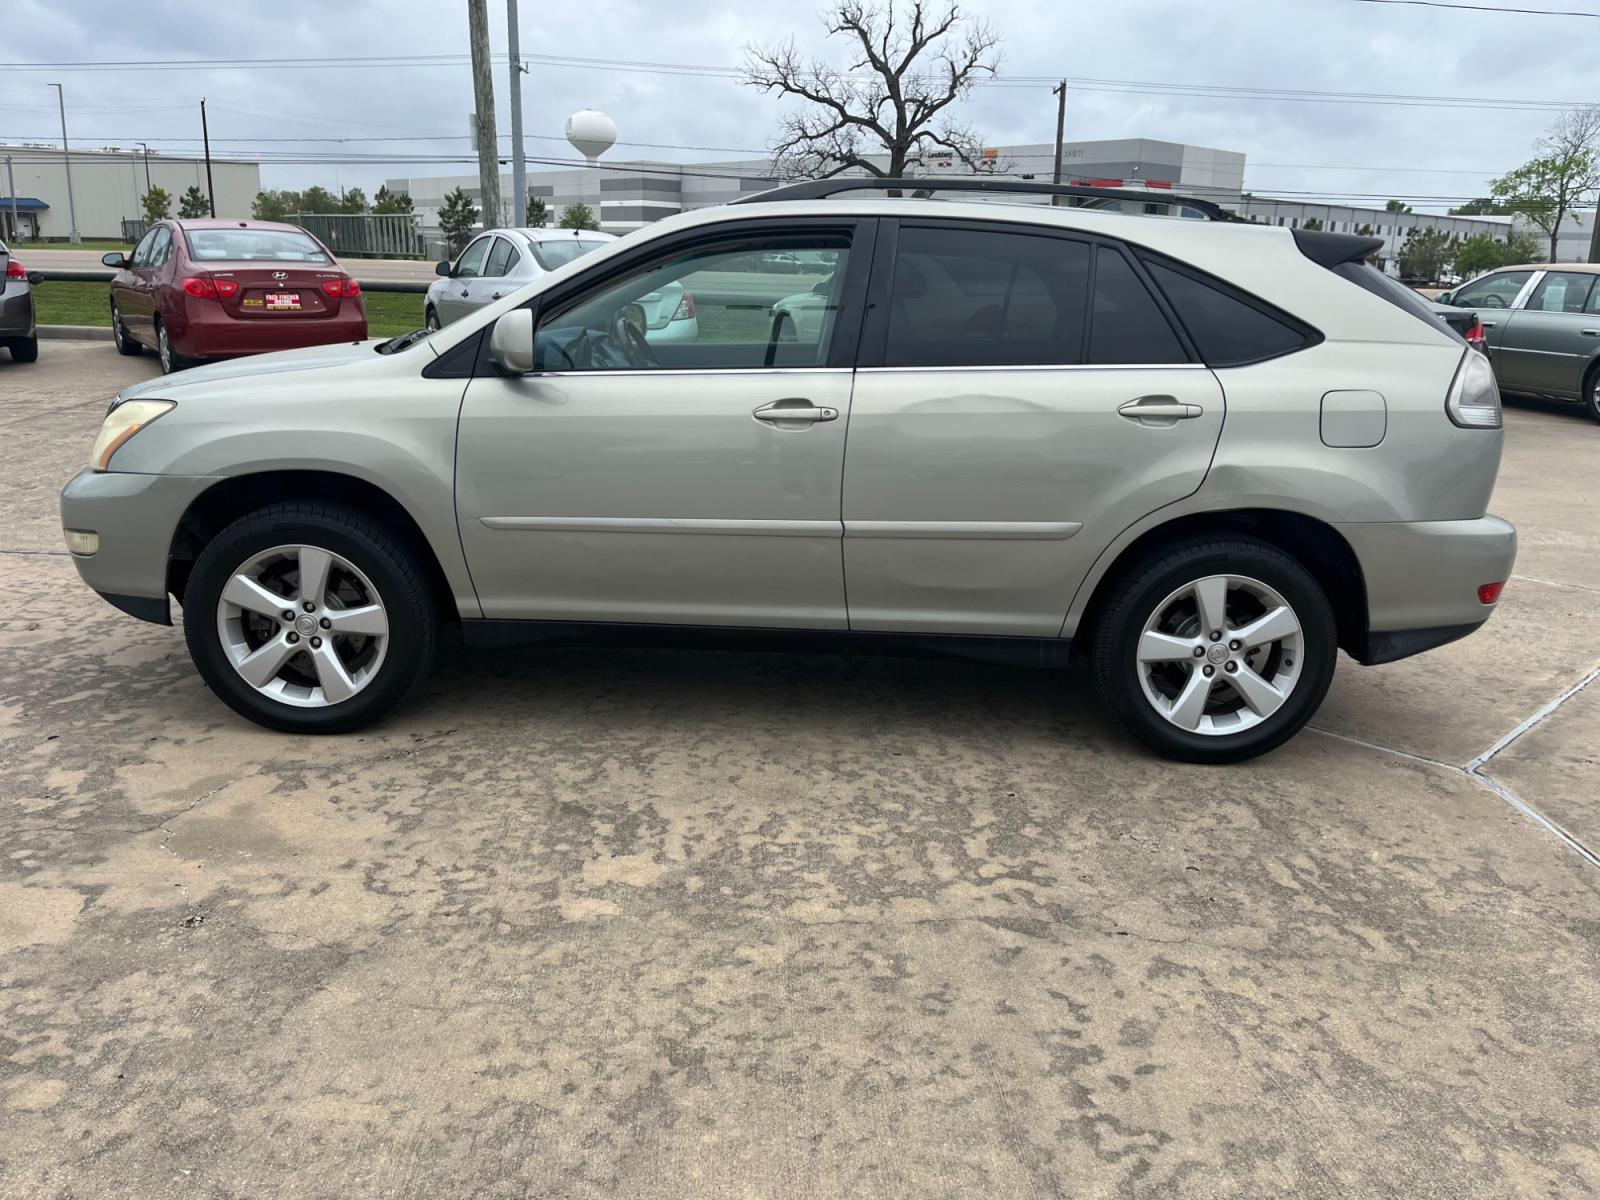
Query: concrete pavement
(672, 925)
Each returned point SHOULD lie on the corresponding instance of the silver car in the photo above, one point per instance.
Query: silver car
(1201, 457)
(1541, 326)
(18, 332)
(496, 263)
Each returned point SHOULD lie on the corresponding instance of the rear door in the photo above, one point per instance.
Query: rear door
(1028, 399)
(1548, 343)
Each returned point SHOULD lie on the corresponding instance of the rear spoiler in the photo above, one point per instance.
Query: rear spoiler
(1330, 249)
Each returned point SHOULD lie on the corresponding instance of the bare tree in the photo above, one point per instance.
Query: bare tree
(893, 98)
(1563, 175)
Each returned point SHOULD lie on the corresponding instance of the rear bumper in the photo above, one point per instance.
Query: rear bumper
(209, 332)
(1422, 580)
(16, 311)
(136, 517)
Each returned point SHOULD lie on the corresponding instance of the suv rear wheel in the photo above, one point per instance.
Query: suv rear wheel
(309, 618)
(1216, 649)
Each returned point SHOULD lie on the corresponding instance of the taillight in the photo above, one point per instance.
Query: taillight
(1473, 401)
(1477, 337)
(341, 287)
(204, 287)
(685, 309)
(15, 270)
(1488, 593)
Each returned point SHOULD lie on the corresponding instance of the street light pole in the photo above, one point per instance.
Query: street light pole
(66, 158)
(11, 187)
(519, 169)
(146, 146)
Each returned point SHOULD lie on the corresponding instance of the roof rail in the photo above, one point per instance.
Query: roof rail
(924, 186)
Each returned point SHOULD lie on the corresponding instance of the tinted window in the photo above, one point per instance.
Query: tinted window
(974, 298)
(1128, 325)
(161, 248)
(1227, 330)
(259, 245)
(724, 305)
(1492, 291)
(500, 258)
(1562, 291)
(141, 253)
(470, 264)
(553, 254)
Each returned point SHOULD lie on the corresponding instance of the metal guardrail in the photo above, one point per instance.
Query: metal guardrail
(409, 288)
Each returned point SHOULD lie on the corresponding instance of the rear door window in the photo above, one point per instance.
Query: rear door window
(967, 297)
(1228, 328)
(1128, 327)
(501, 258)
(1562, 291)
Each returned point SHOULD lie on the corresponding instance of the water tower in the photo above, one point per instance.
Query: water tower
(591, 134)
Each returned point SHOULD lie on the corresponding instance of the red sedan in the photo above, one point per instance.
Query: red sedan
(193, 290)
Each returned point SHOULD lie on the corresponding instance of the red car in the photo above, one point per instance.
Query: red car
(193, 290)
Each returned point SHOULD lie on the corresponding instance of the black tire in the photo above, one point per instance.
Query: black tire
(387, 561)
(171, 360)
(123, 339)
(1591, 391)
(1136, 596)
(430, 319)
(24, 350)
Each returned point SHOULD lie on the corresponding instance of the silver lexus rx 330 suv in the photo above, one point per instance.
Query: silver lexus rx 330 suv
(1203, 456)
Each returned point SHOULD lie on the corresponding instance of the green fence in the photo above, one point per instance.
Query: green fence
(365, 235)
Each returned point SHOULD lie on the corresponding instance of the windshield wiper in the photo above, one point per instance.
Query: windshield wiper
(396, 344)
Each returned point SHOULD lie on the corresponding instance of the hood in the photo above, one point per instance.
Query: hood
(309, 359)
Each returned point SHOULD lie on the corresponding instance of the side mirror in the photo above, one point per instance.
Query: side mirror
(115, 259)
(511, 342)
(1446, 298)
(444, 269)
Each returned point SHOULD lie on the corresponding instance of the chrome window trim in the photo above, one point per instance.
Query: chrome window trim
(649, 372)
(1526, 294)
(1039, 367)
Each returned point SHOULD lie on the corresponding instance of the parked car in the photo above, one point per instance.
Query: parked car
(1466, 323)
(499, 261)
(194, 290)
(1038, 469)
(18, 333)
(1543, 327)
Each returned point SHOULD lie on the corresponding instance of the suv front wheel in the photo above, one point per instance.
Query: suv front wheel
(1215, 650)
(309, 618)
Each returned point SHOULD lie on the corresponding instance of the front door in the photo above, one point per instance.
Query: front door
(695, 481)
(455, 298)
(1493, 297)
(1548, 344)
(1033, 401)
(136, 300)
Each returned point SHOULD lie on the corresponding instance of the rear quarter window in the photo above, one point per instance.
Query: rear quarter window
(1228, 327)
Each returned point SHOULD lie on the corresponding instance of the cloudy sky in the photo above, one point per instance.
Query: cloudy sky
(1143, 69)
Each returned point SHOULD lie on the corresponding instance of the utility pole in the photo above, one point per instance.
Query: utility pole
(146, 146)
(1060, 91)
(519, 169)
(205, 134)
(1594, 234)
(483, 99)
(66, 158)
(11, 187)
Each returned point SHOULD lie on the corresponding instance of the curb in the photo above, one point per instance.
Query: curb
(76, 333)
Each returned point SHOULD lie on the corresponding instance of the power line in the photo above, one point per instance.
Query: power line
(1489, 8)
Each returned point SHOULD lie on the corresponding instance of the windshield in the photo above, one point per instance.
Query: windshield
(243, 245)
(551, 255)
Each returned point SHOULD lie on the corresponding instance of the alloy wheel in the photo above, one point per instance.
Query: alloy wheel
(303, 626)
(116, 328)
(1220, 655)
(164, 348)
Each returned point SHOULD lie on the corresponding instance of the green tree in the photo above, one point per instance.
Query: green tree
(458, 216)
(157, 204)
(386, 201)
(275, 206)
(193, 203)
(1564, 172)
(1424, 254)
(354, 201)
(536, 215)
(1483, 206)
(1479, 254)
(1521, 248)
(578, 216)
(318, 199)
(1396, 206)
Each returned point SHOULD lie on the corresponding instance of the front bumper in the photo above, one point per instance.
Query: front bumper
(135, 517)
(1422, 580)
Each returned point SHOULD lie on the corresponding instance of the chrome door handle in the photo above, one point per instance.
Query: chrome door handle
(1591, 333)
(1162, 409)
(1490, 324)
(782, 411)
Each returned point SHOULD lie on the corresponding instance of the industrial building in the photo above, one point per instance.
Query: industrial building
(108, 187)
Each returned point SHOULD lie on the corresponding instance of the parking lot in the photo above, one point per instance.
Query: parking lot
(660, 924)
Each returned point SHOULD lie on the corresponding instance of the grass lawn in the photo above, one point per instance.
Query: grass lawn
(388, 313)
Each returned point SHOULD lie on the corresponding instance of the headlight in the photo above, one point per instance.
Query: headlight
(121, 423)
